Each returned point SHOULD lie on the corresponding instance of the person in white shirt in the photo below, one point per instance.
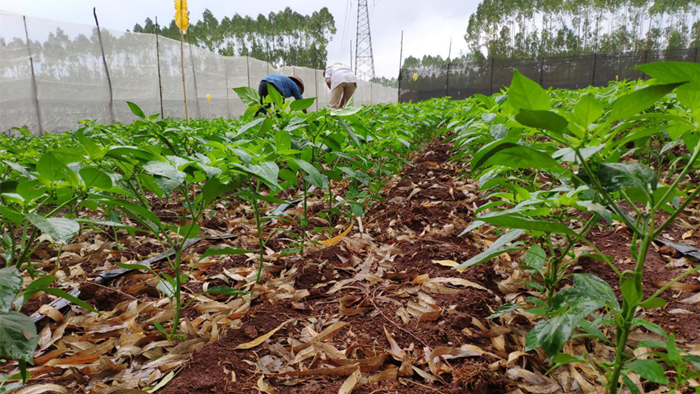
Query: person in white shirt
(342, 82)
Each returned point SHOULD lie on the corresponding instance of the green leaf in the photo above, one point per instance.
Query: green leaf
(10, 284)
(671, 72)
(503, 309)
(213, 189)
(348, 111)
(562, 359)
(121, 152)
(67, 296)
(546, 120)
(37, 285)
(587, 110)
(497, 248)
(252, 124)
(652, 327)
(674, 355)
(248, 95)
(224, 250)
(498, 131)
(252, 197)
(18, 337)
(535, 257)
(552, 334)
(224, 290)
(512, 155)
(596, 288)
(166, 285)
(621, 176)
(136, 110)
(637, 101)
(653, 303)
(268, 172)
(315, 177)
(630, 289)
(93, 177)
(630, 385)
(283, 141)
(60, 229)
(525, 93)
(511, 220)
(649, 370)
(190, 230)
(51, 168)
(165, 170)
(167, 177)
(274, 96)
(8, 187)
(689, 96)
(11, 215)
(300, 105)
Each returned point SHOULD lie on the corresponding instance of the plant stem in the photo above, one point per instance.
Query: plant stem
(177, 293)
(606, 197)
(261, 243)
(677, 212)
(629, 310)
(680, 177)
(26, 248)
(305, 216)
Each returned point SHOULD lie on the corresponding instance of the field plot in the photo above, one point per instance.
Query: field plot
(532, 241)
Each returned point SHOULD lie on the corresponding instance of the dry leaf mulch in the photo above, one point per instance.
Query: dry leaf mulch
(381, 310)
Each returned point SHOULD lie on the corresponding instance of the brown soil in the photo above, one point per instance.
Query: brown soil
(211, 369)
(656, 269)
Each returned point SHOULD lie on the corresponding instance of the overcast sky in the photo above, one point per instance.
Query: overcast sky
(428, 25)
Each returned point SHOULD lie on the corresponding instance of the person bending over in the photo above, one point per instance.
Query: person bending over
(286, 86)
(342, 82)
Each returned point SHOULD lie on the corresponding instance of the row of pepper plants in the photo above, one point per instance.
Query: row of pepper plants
(556, 164)
(108, 177)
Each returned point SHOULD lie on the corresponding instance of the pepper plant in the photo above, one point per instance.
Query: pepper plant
(585, 151)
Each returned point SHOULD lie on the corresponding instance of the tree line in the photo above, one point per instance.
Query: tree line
(280, 38)
(518, 29)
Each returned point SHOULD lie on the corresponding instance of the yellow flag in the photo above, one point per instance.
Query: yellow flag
(182, 17)
(415, 77)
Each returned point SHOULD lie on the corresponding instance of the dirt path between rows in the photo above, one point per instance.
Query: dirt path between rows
(392, 293)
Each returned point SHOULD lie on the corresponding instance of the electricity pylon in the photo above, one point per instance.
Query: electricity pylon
(364, 58)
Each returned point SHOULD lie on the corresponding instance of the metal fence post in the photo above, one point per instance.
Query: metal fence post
(398, 99)
(697, 52)
(447, 79)
(160, 79)
(316, 87)
(247, 67)
(194, 76)
(228, 101)
(595, 58)
(34, 85)
(542, 70)
(104, 61)
(493, 60)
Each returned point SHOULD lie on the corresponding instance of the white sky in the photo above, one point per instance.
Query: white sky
(428, 25)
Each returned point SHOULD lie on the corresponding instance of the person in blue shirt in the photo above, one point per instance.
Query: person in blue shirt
(287, 86)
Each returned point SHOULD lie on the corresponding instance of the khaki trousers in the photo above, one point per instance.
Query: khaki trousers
(341, 95)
